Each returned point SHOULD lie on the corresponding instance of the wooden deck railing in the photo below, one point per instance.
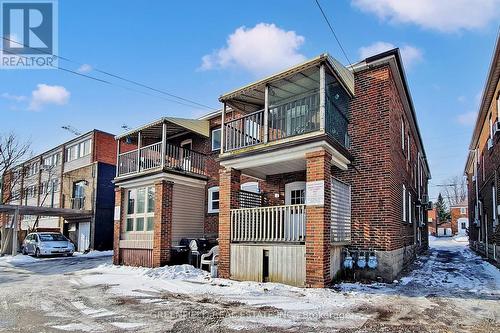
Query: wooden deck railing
(269, 224)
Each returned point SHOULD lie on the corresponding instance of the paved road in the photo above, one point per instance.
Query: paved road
(450, 290)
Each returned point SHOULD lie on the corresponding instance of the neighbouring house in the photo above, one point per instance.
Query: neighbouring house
(74, 177)
(294, 171)
(432, 221)
(482, 167)
(459, 218)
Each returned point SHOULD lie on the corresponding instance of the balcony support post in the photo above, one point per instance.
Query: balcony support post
(266, 114)
(322, 97)
(139, 144)
(222, 132)
(117, 157)
(163, 145)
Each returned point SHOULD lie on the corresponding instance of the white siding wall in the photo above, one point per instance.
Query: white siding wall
(188, 212)
(287, 263)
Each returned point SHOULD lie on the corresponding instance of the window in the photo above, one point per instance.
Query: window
(463, 210)
(250, 187)
(213, 199)
(408, 147)
(140, 209)
(404, 203)
(494, 202)
(463, 225)
(79, 150)
(410, 212)
(403, 135)
(216, 139)
(297, 197)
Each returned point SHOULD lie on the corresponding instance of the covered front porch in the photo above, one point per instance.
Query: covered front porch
(292, 228)
(155, 147)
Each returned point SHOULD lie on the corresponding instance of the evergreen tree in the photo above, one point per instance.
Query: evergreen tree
(441, 210)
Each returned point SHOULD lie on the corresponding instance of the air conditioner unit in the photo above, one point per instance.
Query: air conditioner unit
(490, 143)
(476, 222)
(496, 127)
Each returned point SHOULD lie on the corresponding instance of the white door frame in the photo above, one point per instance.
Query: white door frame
(299, 185)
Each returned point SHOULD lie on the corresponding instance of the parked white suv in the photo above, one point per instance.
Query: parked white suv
(47, 243)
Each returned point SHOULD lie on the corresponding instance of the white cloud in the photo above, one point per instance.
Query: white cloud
(15, 98)
(46, 94)
(467, 118)
(440, 15)
(410, 54)
(85, 68)
(261, 50)
(461, 98)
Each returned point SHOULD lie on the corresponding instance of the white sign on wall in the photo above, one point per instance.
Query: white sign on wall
(117, 213)
(315, 193)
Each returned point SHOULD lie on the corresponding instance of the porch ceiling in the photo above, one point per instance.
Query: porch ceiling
(175, 126)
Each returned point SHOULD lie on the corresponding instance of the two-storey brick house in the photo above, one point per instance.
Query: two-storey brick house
(298, 168)
(482, 167)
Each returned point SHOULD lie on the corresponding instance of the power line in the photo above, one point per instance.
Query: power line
(119, 77)
(333, 31)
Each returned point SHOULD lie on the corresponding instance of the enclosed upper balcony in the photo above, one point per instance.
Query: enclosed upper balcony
(158, 146)
(308, 100)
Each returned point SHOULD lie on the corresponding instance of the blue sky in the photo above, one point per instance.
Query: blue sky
(195, 50)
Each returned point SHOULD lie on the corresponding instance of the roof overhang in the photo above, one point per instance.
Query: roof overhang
(345, 77)
(67, 214)
(174, 126)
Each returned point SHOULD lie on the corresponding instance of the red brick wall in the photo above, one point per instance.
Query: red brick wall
(379, 165)
(318, 222)
(162, 238)
(229, 185)
(104, 148)
(455, 215)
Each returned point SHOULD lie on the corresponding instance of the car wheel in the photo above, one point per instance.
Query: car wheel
(37, 253)
(25, 252)
(69, 255)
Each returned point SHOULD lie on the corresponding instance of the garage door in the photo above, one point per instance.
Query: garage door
(188, 212)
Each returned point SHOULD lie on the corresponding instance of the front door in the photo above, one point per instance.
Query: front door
(83, 236)
(295, 194)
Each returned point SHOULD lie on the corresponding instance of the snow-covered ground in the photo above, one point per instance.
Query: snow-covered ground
(450, 290)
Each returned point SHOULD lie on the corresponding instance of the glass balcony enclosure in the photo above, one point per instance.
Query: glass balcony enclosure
(310, 98)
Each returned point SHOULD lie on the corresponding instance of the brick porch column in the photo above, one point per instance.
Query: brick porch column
(117, 226)
(162, 238)
(229, 185)
(318, 168)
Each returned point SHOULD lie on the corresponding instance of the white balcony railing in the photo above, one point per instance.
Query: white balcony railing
(269, 224)
(176, 158)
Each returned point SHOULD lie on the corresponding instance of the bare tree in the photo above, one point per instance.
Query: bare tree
(455, 190)
(13, 151)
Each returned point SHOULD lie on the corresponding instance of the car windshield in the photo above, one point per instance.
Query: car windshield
(51, 237)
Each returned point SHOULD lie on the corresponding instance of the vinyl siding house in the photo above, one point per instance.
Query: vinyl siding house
(75, 175)
(298, 168)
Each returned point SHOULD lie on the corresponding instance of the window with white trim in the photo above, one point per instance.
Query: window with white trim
(213, 199)
(140, 209)
(402, 134)
(79, 150)
(404, 203)
(463, 210)
(410, 216)
(216, 138)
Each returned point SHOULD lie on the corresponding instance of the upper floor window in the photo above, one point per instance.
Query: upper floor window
(79, 150)
(52, 160)
(216, 139)
(213, 199)
(33, 169)
(402, 134)
(463, 210)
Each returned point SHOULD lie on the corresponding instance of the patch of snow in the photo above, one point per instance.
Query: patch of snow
(94, 254)
(18, 259)
(77, 327)
(124, 325)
